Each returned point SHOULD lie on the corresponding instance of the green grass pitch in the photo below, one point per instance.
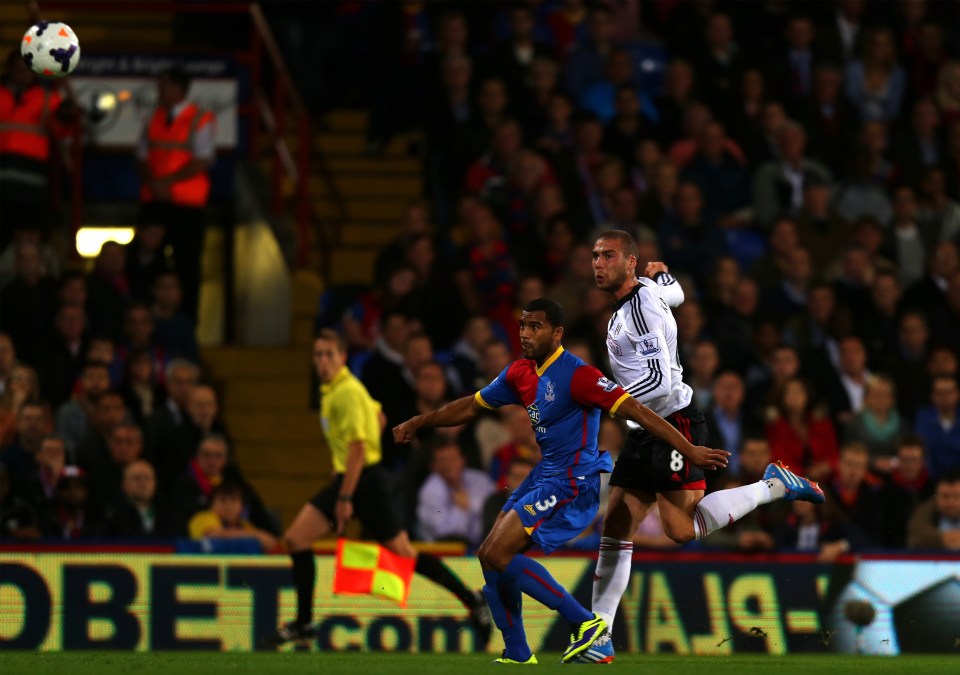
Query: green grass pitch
(461, 664)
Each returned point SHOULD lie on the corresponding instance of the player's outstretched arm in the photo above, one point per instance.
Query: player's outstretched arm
(457, 412)
(700, 456)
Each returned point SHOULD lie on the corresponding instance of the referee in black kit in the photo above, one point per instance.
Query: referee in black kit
(352, 423)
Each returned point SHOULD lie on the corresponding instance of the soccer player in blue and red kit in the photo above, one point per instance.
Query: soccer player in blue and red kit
(559, 499)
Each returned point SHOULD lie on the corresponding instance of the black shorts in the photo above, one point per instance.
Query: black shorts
(649, 464)
(373, 503)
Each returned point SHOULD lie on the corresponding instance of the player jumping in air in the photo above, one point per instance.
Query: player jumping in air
(642, 345)
(558, 500)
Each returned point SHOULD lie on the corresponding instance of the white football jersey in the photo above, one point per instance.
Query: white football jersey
(642, 345)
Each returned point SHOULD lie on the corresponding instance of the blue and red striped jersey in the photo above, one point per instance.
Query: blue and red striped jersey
(563, 398)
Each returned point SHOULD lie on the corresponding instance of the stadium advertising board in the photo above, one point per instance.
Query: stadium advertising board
(54, 601)
(120, 92)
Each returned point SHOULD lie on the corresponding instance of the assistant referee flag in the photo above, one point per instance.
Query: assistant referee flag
(372, 570)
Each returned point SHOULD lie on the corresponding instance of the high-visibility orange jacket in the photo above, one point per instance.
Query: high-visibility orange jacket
(170, 148)
(25, 122)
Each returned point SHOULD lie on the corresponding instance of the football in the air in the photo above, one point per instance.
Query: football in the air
(51, 49)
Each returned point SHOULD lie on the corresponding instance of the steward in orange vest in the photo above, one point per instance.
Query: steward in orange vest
(29, 113)
(177, 147)
(176, 150)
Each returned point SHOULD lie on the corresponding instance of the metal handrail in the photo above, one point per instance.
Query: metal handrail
(284, 83)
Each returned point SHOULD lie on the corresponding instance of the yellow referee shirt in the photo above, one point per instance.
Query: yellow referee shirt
(348, 413)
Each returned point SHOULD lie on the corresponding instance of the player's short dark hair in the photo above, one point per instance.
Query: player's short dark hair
(552, 309)
(228, 488)
(625, 238)
(177, 75)
(330, 335)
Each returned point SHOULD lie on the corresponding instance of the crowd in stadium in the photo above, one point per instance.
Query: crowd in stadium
(799, 173)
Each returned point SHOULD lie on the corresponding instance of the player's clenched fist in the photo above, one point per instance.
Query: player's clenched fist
(403, 433)
(654, 268)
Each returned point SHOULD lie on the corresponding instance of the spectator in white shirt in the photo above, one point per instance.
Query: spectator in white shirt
(450, 504)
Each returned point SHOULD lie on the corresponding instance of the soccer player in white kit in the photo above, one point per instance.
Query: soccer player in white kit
(642, 346)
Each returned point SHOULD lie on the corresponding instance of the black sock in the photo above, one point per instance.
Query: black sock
(304, 577)
(434, 570)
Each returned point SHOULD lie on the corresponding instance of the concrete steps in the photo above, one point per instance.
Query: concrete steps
(265, 402)
(362, 209)
(267, 391)
(371, 195)
(265, 362)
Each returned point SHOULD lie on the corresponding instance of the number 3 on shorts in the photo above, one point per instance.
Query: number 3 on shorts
(676, 461)
(546, 504)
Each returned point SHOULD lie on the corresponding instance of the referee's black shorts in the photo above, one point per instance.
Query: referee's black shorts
(373, 503)
(646, 463)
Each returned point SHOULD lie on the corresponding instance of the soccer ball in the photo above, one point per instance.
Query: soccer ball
(51, 49)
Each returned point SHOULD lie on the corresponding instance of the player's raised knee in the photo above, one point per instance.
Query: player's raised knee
(681, 534)
(482, 553)
(491, 557)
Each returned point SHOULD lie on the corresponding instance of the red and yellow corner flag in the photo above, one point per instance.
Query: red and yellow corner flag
(372, 570)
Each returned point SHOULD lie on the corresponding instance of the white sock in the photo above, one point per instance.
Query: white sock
(611, 577)
(722, 508)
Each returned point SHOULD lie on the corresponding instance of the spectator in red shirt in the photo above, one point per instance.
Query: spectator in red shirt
(802, 436)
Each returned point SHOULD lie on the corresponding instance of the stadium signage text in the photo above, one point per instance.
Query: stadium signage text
(185, 602)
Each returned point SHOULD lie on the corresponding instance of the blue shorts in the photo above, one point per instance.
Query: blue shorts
(556, 509)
